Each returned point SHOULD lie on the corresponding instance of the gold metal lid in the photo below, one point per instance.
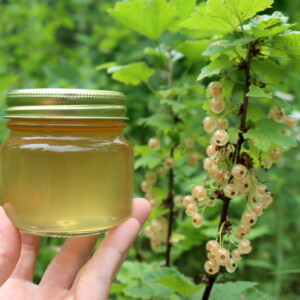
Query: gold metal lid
(65, 104)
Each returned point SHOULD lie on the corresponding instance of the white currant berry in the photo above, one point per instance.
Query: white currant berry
(177, 200)
(243, 230)
(191, 209)
(244, 246)
(193, 159)
(153, 202)
(211, 151)
(290, 121)
(237, 255)
(261, 189)
(200, 202)
(148, 231)
(214, 172)
(230, 191)
(154, 143)
(231, 266)
(207, 163)
(223, 123)
(243, 185)
(249, 218)
(212, 202)
(169, 162)
(258, 208)
(151, 176)
(197, 220)
(199, 192)
(155, 224)
(161, 171)
(211, 256)
(146, 186)
(149, 196)
(211, 267)
(220, 137)
(189, 143)
(187, 200)
(209, 124)
(266, 200)
(239, 171)
(277, 114)
(276, 154)
(214, 89)
(217, 105)
(222, 256)
(212, 246)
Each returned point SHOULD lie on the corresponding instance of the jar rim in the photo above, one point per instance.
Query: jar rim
(65, 104)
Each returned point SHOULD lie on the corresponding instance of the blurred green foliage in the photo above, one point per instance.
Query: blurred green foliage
(61, 43)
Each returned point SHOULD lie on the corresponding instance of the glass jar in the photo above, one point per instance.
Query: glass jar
(67, 169)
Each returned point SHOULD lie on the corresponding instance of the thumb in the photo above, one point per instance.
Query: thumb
(10, 246)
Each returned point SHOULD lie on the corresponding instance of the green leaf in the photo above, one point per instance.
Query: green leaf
(225, 45)
(234, 12)
(233, 134)
(229, 290)
(268, 71)
(183, 9)
(176, 106)
(257, 92)
(106, 65)
(160, 121)
(290, 43)
(208, 72)
(257, 32)
(117, 288)
(265, 21)
(148, 291)
(151, 161)
(163, 51)
(202, 20)
(133, 74)
(268, 133)
(149, 18)
(174, 280)
(255, 294)
(254, 112)
(193, 50)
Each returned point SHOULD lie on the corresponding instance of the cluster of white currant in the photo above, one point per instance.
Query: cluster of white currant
(231, 181)
(157, 233)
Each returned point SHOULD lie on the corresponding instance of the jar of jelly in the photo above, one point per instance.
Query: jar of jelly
(66, 168)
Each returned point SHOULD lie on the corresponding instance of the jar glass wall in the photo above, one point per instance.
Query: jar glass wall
(66, 177)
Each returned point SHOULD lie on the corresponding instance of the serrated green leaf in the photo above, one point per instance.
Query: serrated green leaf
(192, 50)
(133, 74)
(202, 20)
(290, 43)
(268, 133)
(208, 72)
(230, 290)
(151, 161)
(149, 18)
(254, 112)
(268, 71)
(148, 291)
(176, 106)
(173, 279)
(161, 121)
(183, 9)
(234, 12)
(259, 33)
(257, 92)
(225, 45)
(265, 21)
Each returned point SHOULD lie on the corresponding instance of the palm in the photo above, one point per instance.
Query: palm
(72, 274)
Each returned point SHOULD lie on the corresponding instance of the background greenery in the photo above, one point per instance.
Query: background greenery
(60, 44)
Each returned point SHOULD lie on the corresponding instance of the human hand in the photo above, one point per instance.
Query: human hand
(72, 274)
